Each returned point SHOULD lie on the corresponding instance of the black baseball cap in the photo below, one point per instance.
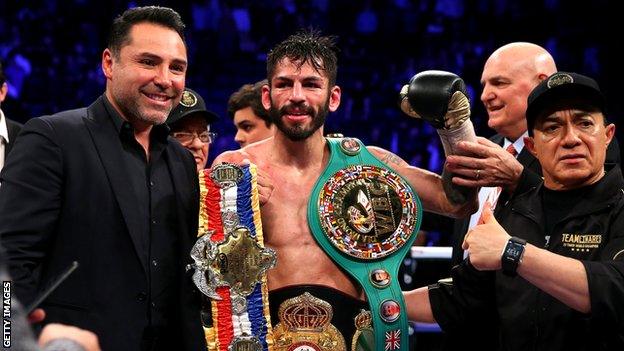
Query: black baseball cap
(191, 102)
(570, 88)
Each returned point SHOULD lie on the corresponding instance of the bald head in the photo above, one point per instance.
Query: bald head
(509, 75)
(531, 58)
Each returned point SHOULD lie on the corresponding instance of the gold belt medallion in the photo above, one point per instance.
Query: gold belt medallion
(305, 325)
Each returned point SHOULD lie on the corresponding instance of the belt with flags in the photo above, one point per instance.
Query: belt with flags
(365, 217)
(231, 260)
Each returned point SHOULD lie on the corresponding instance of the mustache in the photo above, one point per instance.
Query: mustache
(296, 108)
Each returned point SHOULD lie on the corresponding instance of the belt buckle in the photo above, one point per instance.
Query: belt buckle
(305, 324)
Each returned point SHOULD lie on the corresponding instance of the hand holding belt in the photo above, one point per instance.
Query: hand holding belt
(366, 217)
(231, 260)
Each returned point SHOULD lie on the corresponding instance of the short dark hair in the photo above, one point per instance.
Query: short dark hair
(2, 76)
(120, 29)
(249, 95)
(307, 47)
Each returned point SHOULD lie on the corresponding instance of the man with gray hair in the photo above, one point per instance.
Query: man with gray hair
(549, 269)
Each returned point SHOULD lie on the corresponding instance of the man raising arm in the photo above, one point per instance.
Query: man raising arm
(558, 283)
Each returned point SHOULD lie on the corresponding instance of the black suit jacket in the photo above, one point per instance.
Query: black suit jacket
(531, 176)
(485, 324)
(64, 197)
(13, 129)
(528, 179)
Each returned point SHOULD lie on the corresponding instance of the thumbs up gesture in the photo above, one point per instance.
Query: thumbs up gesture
(485, 242)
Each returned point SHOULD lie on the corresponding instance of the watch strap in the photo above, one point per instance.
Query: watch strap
(512, 255)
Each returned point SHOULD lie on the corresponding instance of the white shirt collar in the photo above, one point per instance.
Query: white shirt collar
(4, 132)
(518, 144)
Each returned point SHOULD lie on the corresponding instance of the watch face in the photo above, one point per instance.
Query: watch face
(513, 251)
(367, 212)
(512, 256)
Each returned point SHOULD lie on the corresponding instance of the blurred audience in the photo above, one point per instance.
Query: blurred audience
(381, 42)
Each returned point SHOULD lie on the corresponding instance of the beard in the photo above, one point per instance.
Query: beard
(135, 110)
(299, 132)
(154, 116)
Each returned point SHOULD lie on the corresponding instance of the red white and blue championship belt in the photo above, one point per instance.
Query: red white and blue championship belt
(231, 261)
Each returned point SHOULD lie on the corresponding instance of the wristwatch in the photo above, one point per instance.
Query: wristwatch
(512, 255)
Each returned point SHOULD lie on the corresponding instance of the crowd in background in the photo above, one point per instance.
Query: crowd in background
(51, 53)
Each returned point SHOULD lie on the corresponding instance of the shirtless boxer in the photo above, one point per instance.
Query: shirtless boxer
(301, 92)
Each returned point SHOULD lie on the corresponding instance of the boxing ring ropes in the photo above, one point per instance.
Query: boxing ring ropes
(429, 253)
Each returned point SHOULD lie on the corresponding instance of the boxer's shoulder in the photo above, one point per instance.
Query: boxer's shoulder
(387, 157)
(253, 153)
(232, 156)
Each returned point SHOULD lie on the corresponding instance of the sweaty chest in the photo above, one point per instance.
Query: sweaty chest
(286, 211)
(290, 195)
(291, 187)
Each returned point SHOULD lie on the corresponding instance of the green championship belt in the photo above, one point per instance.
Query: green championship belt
(366, 217)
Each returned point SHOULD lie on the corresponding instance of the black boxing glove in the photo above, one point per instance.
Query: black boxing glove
(438, 97)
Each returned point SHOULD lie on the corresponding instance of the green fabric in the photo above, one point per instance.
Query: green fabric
(365, 341)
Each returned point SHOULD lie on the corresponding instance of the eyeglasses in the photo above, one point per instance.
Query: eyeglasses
(187, 138)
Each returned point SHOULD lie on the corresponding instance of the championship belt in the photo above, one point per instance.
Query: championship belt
(305, 325)
(314, 318)
(366, 217)
(231, 260)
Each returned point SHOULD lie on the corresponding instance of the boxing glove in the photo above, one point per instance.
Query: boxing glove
(438, 97)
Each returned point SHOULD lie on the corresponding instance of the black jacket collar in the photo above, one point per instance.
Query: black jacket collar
(607, 191)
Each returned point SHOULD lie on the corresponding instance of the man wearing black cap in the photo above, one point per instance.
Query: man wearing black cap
(552, 271)
(190, 125)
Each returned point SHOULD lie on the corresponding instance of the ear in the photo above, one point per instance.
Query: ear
(334, 98)
(529, 143)
(542, 77)
(610, 132)
(266, 97)
(4, 89)
(107, 63)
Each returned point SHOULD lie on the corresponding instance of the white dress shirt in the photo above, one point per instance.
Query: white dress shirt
(4, 138)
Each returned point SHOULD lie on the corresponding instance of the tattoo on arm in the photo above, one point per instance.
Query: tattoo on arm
(391, 159)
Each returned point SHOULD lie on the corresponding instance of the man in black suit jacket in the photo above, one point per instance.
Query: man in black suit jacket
(8, 128)
(107, 187)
